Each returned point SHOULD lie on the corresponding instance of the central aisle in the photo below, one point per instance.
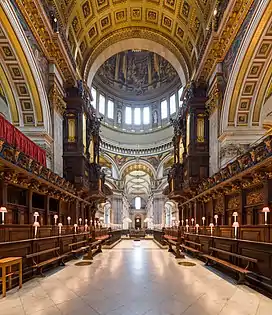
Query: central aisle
(134, 278)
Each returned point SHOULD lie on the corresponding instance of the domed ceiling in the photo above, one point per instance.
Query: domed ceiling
(136, 73)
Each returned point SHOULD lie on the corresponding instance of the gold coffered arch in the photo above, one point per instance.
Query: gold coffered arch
(252, 83)
(20, 82)
(91, 25)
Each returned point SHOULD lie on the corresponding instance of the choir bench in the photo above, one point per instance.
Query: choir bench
(94, 248)
(79, 247)
(242, 272)
(173, 241)
(39, 263)
(195, 250)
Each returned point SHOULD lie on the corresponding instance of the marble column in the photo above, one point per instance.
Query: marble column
(117, 208)
(158, 206)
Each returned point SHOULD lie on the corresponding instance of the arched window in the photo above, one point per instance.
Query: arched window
(102, 104)
(172, 104)
(164, 113)
(137, 116)
(138, 203)
(110, 109)
(180, 91)
(128, 115)
(146, 115)
(93, 92)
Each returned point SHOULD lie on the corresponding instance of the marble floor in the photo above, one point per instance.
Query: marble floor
(134, 278)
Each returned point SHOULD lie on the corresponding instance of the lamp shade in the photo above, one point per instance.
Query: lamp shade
(36, 224)
(211, 225)
(60, 224)
(3, 209)
(235, 224)
(266, 209)
(235, 214)
(36, 214)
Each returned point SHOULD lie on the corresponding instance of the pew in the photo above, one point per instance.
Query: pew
(94, 248)
(38, 263)
(242, 272)
(196, 250)
(173, 241)
(78, 247)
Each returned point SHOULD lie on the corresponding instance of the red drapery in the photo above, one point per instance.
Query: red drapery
(17, 139)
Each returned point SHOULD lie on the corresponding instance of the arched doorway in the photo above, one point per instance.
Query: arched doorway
(138, 223)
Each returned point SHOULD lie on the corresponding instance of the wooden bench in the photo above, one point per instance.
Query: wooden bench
(242, 272)
(94, 248)
(192, 249)
(172, 241)
(75, 250)
(102, 237)
(39, 265)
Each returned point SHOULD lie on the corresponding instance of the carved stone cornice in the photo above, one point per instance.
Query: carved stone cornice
(221, 40)
(216, 95)
(49, 41)
(56, 100)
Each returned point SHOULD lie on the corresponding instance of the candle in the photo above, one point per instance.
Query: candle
(55, 218)
(69, 220)
(216, 218)
(60, 226)
(182, 222)
(80, 221)
(86, 221)
(192, 221)
(75, 227)
(203, 220)
(187, 228)
(197, 226)
(211, 226)
(86, 227)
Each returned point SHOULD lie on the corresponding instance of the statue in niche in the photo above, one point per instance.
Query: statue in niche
(155, 117)
(119, 118)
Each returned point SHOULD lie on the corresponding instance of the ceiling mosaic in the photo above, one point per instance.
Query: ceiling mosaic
(89, 23)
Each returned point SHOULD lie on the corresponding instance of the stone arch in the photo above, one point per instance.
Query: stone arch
(143, 162)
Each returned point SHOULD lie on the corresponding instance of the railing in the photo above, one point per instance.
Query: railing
(14, 137)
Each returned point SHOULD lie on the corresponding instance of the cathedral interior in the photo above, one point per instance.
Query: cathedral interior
(136, 157)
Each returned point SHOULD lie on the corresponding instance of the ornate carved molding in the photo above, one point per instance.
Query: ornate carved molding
(49, 41)
(215, 94)
(56, 100)
(221, 40)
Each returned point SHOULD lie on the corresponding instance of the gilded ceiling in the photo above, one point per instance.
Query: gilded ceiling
(90, 24)
(136, 73)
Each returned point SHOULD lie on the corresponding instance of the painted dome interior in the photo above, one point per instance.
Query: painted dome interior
(136, 75)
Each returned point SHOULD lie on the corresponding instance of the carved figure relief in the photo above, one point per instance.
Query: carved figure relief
(155, 117)
(119, 118)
